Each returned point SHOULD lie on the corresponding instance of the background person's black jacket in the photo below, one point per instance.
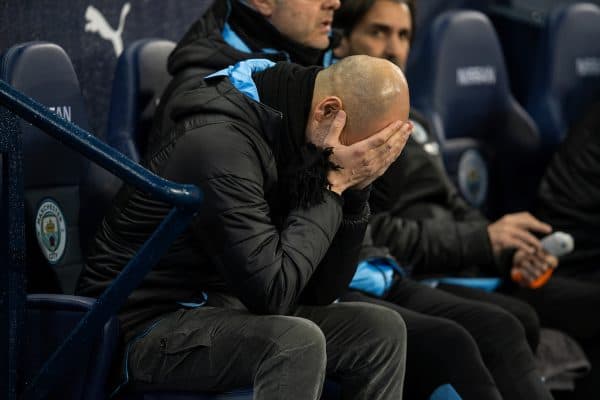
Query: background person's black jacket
(236, 244)
(420, 217)
(203, 50)
(569, 195)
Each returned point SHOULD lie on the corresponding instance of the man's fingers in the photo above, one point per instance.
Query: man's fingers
(375, 154)
(526, 237)
(392, 148)
(336, 128)
(519, 256)
(517, 275)
(518, 243)
(538, 267)
(528, 268)
(399, 140)
(550, 260)
(381, 137)
(527, 221)
(535, 268)
(527, 276)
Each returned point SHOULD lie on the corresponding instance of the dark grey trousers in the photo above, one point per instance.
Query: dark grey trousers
(499, 336)
(363, 346)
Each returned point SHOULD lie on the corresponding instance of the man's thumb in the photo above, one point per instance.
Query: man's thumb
(337, 126)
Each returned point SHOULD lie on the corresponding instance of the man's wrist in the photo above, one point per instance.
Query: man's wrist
(336, 189)
(356, 199)
(334, 185)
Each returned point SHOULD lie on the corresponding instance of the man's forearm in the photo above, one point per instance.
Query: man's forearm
(438, 245)
(334, 273)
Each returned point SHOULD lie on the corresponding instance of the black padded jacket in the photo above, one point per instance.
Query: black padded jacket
(203, 50)
(569, 195)
(420, 217)
(220, 141)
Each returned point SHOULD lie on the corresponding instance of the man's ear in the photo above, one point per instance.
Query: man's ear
(264, 7)
(328, 108)
(343, 49)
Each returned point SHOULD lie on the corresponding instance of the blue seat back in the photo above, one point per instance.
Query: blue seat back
(468, 169)
(140, 78)
(52, 178)
(566, 79)
(56, 179)
(426, 12)
(50, 319)
(463, 90)
(52, 172)
(464, 80)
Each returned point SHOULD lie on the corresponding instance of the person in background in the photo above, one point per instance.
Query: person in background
(569, 196)
(230, 31)
(430, 230)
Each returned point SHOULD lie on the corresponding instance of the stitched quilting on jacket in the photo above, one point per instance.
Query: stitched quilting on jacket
(220, 141)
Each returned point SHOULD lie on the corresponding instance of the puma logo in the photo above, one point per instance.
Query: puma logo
(96, 23)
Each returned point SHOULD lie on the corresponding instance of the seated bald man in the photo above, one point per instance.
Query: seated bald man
(285, 158)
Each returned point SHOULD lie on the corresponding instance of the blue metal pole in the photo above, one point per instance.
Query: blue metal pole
(12, 261)
(185, 198)
(66, 356)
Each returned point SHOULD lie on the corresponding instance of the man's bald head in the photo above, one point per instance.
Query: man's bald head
(372, 91)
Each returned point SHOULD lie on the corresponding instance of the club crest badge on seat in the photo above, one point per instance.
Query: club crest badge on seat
(51, 231)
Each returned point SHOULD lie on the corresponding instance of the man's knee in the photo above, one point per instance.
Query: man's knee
(527, 316)
(450, 348)
(293, 336)
(502, 327)
(382, 325)
(442, 337)
(530, 321)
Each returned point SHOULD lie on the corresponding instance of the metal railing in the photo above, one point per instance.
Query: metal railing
(185, 200)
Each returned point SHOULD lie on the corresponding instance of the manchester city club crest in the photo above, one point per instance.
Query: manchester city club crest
(51, 230)
(473, 177)
(419, 133)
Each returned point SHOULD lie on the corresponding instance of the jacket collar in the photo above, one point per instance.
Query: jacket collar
(240, 77)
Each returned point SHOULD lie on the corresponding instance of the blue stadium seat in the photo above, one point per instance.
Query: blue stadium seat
(53, 172)
(52, 175)
(426, 12)
(53, 178)
(50, 319)
(464, 93)
(566, 77)
(467, 167)
(462, 157)
(140, 77)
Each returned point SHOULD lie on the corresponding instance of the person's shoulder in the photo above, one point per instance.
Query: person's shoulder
(213, 149)
(211, 19)
(218, 136)
(416, 116)
(203, 50)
